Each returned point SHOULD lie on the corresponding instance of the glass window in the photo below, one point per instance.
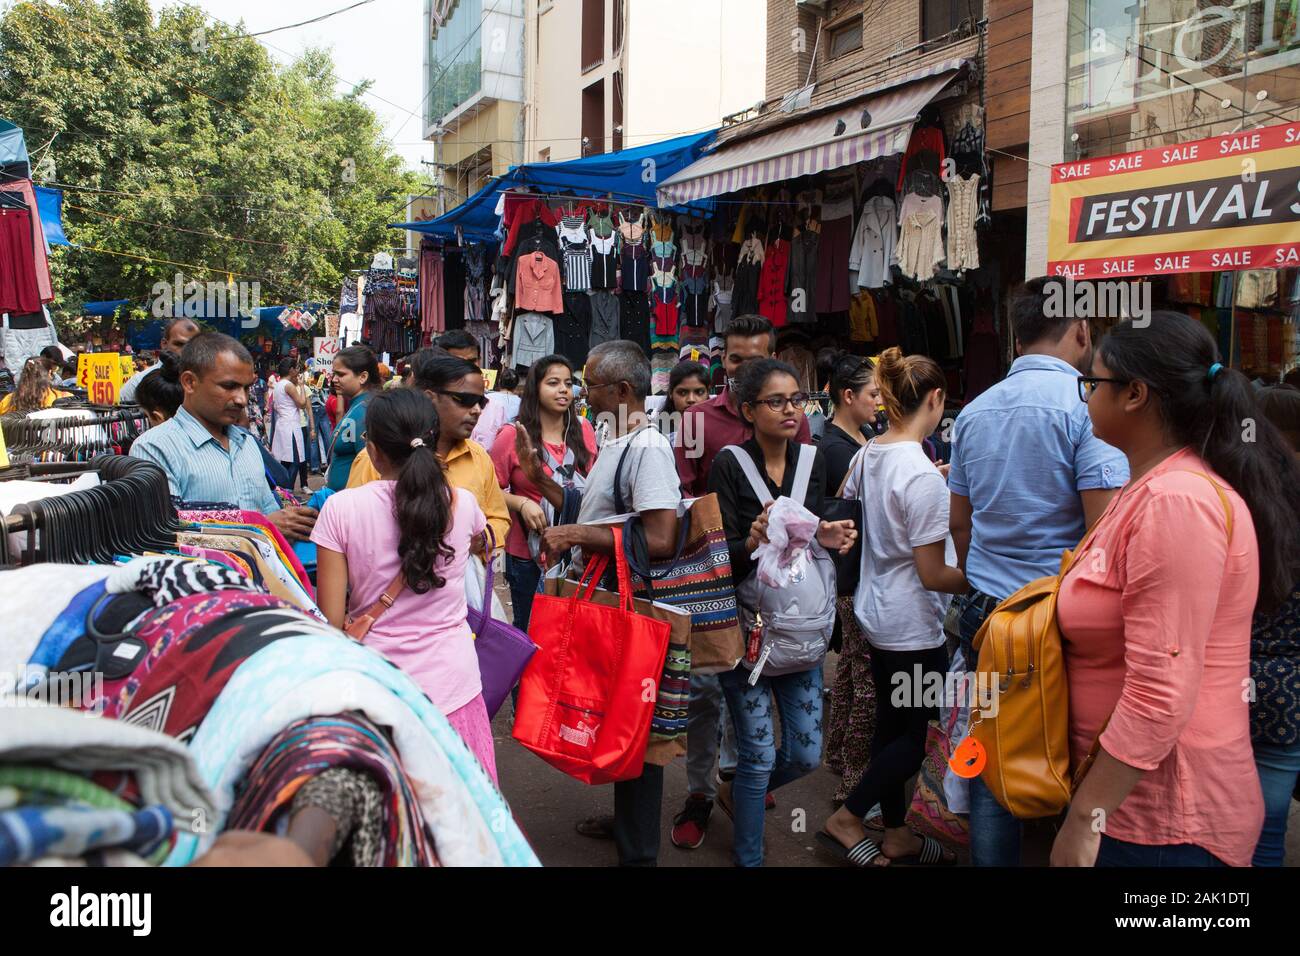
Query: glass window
(456, 59)
(846, 39)
(1160, 72)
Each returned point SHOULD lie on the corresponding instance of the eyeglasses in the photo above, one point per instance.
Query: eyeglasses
(467, 399)
(1088, 384)
(778, 402)
(591, 388)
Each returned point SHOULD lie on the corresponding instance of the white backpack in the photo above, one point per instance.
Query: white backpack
(796, 620)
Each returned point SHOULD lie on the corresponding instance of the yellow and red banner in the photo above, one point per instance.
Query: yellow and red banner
(1223, 204)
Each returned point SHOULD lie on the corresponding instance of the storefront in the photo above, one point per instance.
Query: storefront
(865, 223)
(1183, 158)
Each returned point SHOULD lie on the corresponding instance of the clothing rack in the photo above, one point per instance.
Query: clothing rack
(129, 512)
(26, 436)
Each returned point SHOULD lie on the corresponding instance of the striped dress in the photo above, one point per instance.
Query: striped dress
(576, 249)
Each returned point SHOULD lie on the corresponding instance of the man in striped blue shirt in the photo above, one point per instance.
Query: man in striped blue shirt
(207, 458)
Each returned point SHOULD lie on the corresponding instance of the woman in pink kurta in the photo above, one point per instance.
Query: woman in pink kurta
(1156, 609)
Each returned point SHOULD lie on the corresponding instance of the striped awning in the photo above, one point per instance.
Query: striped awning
(811, 146)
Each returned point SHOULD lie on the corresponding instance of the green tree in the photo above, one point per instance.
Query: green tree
(182, 140)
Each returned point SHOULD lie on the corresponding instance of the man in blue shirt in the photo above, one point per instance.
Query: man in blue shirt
(176, 334)
(1028, 478)
(207, 458)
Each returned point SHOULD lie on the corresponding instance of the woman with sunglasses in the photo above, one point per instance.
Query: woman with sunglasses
(908, 574)
(408, 535)
(556, 444)
(769, 398)
(1156, 610)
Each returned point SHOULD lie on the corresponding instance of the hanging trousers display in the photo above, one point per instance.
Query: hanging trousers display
(18, 289)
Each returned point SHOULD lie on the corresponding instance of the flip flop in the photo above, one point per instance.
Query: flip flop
(932, 854)
(862, 853)
(598, 828)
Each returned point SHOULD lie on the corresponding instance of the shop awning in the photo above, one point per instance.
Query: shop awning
(810, 144)
(629, 175)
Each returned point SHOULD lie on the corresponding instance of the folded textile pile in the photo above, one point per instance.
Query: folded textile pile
(345, 766)
(299, 677)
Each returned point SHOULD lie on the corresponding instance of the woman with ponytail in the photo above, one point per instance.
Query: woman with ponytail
(1155, 611)
(909, 572)
(424, 631)
(34, 390)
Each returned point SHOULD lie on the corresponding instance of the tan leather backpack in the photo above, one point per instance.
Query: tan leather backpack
(1020, 653)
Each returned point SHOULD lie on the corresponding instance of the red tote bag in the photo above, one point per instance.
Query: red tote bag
(588, 694)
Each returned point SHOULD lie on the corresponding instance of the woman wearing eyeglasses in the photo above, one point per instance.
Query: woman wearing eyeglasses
(565, 443)
(1156, 610)
(909, 573)
(768, 396)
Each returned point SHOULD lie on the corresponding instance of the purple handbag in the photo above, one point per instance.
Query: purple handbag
(503, 650)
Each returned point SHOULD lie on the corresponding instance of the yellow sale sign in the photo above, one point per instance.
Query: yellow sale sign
(100, 374)
(128, 368)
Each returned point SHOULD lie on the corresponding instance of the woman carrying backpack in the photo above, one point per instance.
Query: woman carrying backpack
(908, 571)
(1156, 610)
(769, 397)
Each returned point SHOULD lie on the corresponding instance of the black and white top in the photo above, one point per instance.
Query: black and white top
(575, 248)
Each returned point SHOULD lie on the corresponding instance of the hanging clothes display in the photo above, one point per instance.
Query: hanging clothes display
(749, 267)
(721, 300)
(662, 289)
(575, 246)
(801, 276)
(534, 338)
(25, 190)
(771, 283)
(963, 208)
(604, 260)
(475, 259)
(571, 328)
(604, 319)
(433, 320)
(538, 286)
(920, 241)
(19, 291)
(872, 251)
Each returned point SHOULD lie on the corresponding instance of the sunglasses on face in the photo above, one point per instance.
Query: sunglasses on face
(1088, 384)
(467, 399)
(778, 402)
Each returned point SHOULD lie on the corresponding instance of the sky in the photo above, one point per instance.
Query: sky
(381, 42)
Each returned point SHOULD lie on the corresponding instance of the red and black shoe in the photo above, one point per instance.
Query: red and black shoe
(692, 823)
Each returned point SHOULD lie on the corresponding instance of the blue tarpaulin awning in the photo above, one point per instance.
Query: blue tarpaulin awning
(629, 175)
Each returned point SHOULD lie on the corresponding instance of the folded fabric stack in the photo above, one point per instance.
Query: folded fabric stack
(280, 712)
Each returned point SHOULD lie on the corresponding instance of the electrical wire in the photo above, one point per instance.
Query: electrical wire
(324, 16)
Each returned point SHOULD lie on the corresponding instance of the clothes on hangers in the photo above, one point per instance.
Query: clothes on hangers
(723, 289)
(749, 268)
(19, 291)
(24, 193)
(801, 276)
(963, 208)
(604, 318)
(604, 260)
(924, 140)
(537, 285)
(475, 260)
(575, 245)
(920, 243)
(664, 293)
(534, 338)
(433, 320)
(872, 251)
(771, 283)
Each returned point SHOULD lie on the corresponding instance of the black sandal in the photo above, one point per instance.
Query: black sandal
(598, 828)
(863, 853)
(932, 854)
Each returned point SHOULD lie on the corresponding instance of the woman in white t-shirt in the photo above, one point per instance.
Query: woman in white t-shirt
(909, 571)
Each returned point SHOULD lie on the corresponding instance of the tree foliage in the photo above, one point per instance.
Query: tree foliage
(178, 139)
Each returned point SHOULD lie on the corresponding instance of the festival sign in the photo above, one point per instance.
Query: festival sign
(1226, 203)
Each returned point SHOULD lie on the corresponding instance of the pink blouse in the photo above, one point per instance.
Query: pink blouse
(1156, 616)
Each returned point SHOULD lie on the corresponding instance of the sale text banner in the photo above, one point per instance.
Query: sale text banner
(100, 374)
(1227, 203)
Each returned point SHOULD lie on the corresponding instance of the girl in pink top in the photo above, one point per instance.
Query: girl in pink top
(1156, 609)
(564, 440)
(411, 521)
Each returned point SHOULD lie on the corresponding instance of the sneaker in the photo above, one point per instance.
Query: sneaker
(692, 823)
(769, 803)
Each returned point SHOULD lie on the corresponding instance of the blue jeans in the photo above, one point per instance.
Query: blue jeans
(994, 832)
(1122, 853)
(761, 766)
(705, 725)
(523, 574)
(1278, 766)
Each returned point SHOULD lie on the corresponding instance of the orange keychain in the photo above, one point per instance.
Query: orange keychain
(968, 759)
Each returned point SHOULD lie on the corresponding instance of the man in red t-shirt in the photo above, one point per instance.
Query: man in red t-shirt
(705, 430)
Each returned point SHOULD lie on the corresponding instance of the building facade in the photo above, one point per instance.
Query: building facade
(473, 92)
(603, 75)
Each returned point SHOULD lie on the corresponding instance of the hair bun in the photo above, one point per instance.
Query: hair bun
(169, 366)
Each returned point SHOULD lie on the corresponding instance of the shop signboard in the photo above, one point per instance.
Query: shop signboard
(325, 349)
(100, 374)
(1226, 203)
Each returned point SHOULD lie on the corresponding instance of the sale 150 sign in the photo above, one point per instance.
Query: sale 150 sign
(1226, 203)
